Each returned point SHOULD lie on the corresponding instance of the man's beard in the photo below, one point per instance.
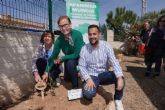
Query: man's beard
(95, 43)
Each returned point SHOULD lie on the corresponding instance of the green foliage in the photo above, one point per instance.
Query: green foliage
(120, 21)
(117, 51)
(125, 23)
(162, 12)
(103, 29)
(152, 17)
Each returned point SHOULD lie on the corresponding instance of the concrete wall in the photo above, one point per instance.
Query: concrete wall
(110, 35)
(116, 44)
(16, 49)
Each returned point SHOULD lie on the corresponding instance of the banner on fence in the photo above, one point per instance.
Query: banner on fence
(82, 14)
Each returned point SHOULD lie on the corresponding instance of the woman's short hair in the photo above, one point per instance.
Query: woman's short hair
(46, 33)
(163, 16)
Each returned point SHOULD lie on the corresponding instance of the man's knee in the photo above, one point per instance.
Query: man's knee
(71, 66)
(89, 94)
(71, 63)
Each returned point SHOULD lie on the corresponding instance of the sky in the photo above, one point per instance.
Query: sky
(134, 5)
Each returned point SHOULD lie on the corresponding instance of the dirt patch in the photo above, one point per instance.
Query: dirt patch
(58, 101)
(141, 93)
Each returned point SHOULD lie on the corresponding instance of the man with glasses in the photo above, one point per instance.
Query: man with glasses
(70, 42)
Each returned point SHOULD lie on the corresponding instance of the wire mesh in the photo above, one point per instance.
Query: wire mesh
(30, 14)
(58, 9)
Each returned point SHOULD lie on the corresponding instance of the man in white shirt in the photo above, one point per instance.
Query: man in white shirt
(95, 60)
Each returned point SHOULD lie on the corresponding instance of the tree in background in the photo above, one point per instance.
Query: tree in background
(152, 17)
(120, 22)
(127, 25)
(103, 29)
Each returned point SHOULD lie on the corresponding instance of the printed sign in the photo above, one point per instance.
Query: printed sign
(82, 14)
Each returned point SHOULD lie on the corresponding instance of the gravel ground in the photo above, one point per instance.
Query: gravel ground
(141, 93)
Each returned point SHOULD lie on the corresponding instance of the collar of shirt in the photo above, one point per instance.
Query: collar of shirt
(70, 40)
(49, 51)
(44, 49)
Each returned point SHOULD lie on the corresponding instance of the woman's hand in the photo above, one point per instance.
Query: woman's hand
(37, 77)
(58, 61)
(45, 77)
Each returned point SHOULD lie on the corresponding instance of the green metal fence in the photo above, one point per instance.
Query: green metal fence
(31, 14)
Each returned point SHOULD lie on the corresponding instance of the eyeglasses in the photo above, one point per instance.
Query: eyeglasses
(63, 26)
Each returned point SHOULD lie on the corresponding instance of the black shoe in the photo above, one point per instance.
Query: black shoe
(74, 87)
(67, 79)
(147, 74)
(87, 99)
(156, 74)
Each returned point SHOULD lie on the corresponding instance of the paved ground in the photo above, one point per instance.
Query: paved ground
(141, 93)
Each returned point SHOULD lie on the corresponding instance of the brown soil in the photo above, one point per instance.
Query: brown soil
(141, 93)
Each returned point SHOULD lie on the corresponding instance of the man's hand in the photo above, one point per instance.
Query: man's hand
(58, 60)
(37, 77)
(120, 83)
(89, 85)
(45, 77)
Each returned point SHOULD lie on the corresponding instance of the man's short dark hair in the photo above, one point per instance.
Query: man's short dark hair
(94, 26)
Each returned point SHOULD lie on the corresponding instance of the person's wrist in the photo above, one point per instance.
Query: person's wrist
(120, 77)
(46, 73)
(88, 79)
(36, 73)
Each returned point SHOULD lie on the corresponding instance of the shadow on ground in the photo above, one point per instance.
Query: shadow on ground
(154, 88)
(107, 95)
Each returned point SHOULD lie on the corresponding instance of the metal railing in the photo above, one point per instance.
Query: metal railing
(30, 14)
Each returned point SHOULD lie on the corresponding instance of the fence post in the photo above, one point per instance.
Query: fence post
(50, 14)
